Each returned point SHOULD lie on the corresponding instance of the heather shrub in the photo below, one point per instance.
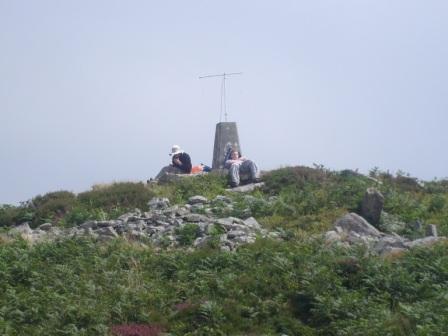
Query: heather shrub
(293, 177)
(125, 195)
(52, 207)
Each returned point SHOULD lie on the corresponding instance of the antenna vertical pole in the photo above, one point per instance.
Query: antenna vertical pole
(223, 106)
(224, 96)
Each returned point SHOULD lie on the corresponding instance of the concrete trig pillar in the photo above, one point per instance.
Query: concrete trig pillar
(226, 132)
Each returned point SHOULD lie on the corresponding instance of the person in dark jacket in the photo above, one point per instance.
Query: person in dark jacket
(180, 163)
(181, 159)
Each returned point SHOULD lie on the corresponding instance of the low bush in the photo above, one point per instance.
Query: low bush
(208, 185)
(117, 195)
(294, 177)
(52, 207)
(12, 215)
(188, 233)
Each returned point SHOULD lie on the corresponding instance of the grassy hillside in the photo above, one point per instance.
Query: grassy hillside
(296, 286)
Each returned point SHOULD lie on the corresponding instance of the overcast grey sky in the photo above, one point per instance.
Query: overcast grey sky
(98, 91)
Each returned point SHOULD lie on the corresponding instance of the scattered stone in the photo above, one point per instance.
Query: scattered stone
(160, 226)
(197, 200)
(225, 222)
(427, 241)
(235, 233)
(102, 224)
(194, 218)
(45, 226)
(246, 188)
(252, 223)
(158, 203)
(197, 208)
(107, 231)
(223, 199)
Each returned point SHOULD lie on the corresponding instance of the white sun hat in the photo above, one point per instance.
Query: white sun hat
(176, 150)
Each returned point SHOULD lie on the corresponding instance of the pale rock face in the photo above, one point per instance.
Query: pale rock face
(352, 229)
(355, 223)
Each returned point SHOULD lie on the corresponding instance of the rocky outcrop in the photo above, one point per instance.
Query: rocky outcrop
(353, 223)
(193, 224)
(352, 229)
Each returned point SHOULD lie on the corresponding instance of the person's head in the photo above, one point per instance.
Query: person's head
(235, 155)
(175, 150)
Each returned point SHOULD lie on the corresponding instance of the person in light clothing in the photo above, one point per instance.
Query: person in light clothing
(239, 165)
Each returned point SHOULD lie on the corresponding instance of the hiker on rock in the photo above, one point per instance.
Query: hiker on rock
(239, 165)
(180, 163)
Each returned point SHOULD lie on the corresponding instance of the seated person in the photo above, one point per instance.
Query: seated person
(180, 163)
(238, 164)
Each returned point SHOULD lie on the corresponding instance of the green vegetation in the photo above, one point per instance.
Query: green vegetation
(296, 286)
(268, 288)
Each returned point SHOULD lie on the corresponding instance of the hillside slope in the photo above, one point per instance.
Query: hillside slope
(296, 285)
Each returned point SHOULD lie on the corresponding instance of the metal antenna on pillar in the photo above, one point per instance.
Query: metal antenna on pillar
(223, 91)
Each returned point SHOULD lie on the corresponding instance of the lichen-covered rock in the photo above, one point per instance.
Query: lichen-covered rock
(45, 226)
(354, 230)
(252, 223)
(354, 223)
(388, 242)
(424, 242)
(158, 203)
(197, 200)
